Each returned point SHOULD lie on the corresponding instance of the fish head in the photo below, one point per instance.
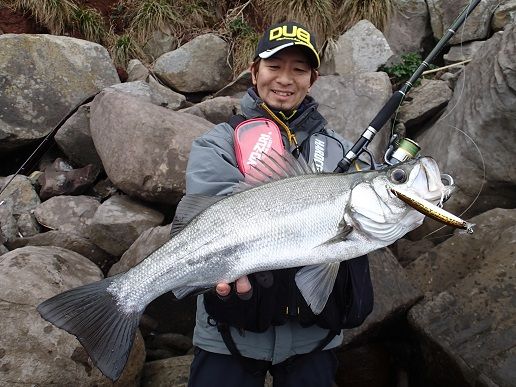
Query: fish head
(378, 212)
(421, 177)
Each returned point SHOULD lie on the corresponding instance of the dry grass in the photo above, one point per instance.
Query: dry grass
(151, 15)
(317, 15)
(56, 15)
(351, 12)
(90, 23)
(124, 48)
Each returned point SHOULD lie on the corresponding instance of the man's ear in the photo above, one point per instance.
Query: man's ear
(313, 77)
(254, 70)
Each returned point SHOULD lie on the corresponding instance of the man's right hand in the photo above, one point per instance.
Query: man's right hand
(243, 288)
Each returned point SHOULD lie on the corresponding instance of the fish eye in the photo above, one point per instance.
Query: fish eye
(399, 176)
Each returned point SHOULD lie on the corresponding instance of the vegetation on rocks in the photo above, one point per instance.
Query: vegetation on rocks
(130, 24)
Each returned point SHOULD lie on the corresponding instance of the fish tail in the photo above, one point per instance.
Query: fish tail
(92, 314)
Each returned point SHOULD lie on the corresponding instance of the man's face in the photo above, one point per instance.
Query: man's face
(284, 79)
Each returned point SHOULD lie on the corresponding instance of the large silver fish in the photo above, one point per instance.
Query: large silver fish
(282, 216)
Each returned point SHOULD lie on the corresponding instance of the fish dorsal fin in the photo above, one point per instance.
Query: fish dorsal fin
(273, 166)
(188, 208)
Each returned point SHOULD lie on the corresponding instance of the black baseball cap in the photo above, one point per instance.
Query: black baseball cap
(286, 34)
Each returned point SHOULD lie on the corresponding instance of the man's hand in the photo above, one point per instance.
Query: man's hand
(243, 288)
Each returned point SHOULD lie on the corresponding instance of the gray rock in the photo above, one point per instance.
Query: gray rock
(58, 181)
(27, 225)
(444, 12)
(159, 44)
(139, 89)
(199, 65)
(164, 96)
(174, 371)
(361, 49)
(167, 344)
(43, 77)
(350, 102)
(462, 52)
(409, 26)
(3, 249)
(66, 240)
(21, 195)
(119, 221)
(238, 87)
(468, 330)
(74, 139)
(8, 226)
(28, 276)
(158, 141)
(215, 110)
(136, 71)
(487, 118)
(394, 294)
(423, 103)
(148, 241)
(462, 254)
(504, 15)
(67, 213)
(407, 251)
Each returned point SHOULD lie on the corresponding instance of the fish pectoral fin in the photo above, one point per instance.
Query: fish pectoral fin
(316, 282)
(186, 291)
(188, 208)
(344, 230)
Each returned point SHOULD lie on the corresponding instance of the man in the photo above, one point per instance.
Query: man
(264, 324)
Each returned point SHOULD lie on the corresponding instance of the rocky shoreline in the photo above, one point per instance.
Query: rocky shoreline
(103, 198)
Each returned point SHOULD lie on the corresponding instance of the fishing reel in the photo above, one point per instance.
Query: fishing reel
(400, 150)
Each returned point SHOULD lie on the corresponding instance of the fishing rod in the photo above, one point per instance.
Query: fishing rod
(46, 143)
(407, 148)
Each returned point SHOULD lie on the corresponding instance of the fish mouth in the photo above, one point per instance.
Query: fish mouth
(439, 186)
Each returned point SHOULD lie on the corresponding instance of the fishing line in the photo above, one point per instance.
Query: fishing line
(481, 185)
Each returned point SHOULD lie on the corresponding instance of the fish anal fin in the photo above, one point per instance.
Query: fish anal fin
(189, 291)
(316, 282)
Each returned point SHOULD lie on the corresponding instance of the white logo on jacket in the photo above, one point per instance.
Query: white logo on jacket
(263, 145)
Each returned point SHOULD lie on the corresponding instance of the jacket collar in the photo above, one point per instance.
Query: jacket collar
(306, 122)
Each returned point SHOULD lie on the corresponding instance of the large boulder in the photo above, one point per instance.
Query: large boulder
(199, 65)
(394, 293)
(215, 110)
(505, 14)
(362, 48)
(33, 351)
(424, 102)
(119, 221)
(67, 213)
(480, 118)
(477, 26)
(42, 77)
(457, 257)
(74, 139)
(467, 323)
(408, 28)
(144, 148)
(66, 240)
(350, 102)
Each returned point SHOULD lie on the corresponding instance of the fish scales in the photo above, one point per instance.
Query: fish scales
(268, 227)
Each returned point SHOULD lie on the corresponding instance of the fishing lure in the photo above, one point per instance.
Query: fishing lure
(433, 211)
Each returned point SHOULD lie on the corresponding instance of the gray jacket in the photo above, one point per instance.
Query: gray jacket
(212, 170)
